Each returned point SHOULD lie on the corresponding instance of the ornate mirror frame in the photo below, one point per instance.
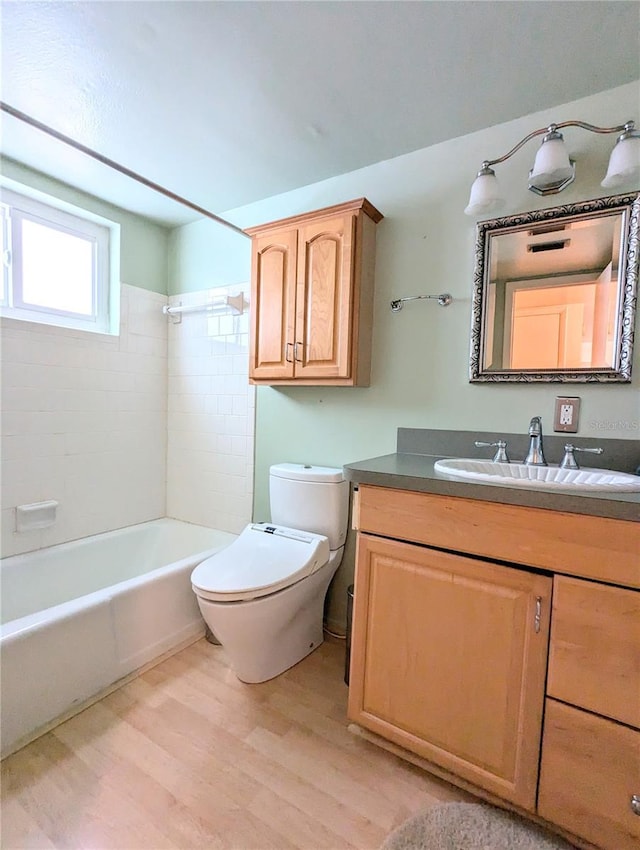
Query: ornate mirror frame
(620, 371)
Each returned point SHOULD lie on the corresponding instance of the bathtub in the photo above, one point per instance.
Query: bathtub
(78, 617)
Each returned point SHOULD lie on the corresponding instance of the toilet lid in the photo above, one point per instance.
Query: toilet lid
(264, 558)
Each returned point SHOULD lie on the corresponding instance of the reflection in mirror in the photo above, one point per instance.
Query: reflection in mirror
(555, 293)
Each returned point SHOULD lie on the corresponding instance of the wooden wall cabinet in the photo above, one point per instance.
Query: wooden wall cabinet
(450, 651)
(312, 281)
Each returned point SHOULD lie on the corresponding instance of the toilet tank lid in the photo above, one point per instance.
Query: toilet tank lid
(306, 472)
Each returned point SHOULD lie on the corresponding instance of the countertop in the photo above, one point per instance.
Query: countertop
(409, 471)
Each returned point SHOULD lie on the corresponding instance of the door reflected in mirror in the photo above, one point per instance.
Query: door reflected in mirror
(554, 294)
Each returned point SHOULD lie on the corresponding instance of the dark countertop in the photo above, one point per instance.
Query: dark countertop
(409, 471)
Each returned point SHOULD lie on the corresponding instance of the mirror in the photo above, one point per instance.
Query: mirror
(555, 293)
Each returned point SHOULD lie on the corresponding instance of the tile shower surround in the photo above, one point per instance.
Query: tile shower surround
(84, 422)
(211, 416)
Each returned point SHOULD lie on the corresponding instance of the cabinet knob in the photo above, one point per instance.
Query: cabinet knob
(634, 802)
(286, 352)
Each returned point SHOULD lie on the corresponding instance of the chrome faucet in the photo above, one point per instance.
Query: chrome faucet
(535, 455)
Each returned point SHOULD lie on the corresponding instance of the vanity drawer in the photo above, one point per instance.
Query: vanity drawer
(594, 657)
(588, 546)
(589, 771)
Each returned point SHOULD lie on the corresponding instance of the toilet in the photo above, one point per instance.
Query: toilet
(263, 596)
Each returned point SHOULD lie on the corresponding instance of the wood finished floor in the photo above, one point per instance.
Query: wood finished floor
(187, 756)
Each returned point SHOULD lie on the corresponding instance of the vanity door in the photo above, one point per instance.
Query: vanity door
(448, 661)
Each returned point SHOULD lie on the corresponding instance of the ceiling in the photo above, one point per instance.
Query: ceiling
(226, 103)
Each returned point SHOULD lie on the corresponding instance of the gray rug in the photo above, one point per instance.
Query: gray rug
(471, 826)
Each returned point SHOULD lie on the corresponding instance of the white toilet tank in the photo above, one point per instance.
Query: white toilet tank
(310, 498)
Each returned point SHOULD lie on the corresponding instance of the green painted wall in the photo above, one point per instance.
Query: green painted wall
(425, 245)
(204, 254)
(143, 243)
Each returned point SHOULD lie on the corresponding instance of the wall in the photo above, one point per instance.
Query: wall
(84, 415)
(425, 244)
(210, 416)
(84, 423)
(211, 405)
(204, 255)
(143, 244)
(119, 430)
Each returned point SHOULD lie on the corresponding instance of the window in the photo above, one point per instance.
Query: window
(55, 265)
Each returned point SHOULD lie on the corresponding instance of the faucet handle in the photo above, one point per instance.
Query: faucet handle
(569, 461)
(501, 455)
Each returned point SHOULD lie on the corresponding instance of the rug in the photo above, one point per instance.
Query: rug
(471, 826)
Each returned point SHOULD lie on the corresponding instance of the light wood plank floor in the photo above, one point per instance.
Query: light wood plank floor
(186, 756)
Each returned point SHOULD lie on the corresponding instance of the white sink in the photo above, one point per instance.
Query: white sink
(544, 477)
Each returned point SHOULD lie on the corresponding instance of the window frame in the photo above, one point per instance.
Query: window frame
(56, 215)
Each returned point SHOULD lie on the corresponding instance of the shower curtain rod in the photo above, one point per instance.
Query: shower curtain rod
(22, 116)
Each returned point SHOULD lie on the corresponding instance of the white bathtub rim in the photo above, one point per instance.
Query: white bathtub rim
(21, 626)
(80, 542)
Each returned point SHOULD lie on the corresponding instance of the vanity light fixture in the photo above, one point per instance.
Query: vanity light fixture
(553, 170)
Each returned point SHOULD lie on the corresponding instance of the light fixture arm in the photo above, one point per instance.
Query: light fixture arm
(627, 127)
(553, 169)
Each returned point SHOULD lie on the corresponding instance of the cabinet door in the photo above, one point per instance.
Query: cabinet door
(324, 298)
(590, 771)
(273, 292)
(448, 660)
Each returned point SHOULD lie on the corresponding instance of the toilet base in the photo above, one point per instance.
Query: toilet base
(266, 636)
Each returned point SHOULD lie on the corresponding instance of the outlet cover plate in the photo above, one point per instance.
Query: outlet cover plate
(567, 410)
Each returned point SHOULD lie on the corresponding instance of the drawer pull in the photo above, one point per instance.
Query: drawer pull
(635, 804)
(538, 614)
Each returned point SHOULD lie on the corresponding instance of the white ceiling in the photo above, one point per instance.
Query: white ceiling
(226, 103)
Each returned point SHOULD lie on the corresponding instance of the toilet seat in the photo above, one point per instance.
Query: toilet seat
(264, 558)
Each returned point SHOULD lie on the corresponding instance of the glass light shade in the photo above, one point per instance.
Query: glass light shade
(551, 164)
(485, 194)
(624, 163)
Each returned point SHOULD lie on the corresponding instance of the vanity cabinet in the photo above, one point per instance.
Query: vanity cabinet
(501, 644)
(312, 280)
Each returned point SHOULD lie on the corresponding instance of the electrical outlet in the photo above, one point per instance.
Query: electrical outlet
(566, 414)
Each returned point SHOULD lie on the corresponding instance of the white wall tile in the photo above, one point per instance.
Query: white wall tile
(124, 429)
(210, 403)
(84, 422)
